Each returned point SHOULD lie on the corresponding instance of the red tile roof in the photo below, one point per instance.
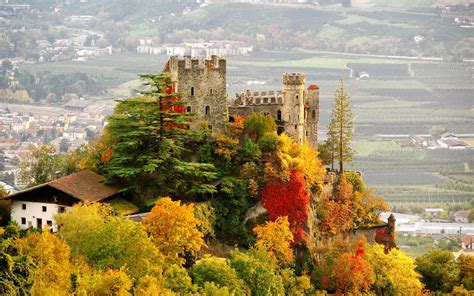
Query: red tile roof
(313, 87)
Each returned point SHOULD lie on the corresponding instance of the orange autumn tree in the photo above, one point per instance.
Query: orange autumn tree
(352, 271)
(346, 208)
(173, 229)
(275, 238)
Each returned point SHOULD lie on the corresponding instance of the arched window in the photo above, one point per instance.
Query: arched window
(188, 109)
(279, 115)
(192, 90)
(297, 97)
(296, 126)
(208, 110)
(313, 114)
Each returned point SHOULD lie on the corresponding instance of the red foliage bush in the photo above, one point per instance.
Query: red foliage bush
(290, 199)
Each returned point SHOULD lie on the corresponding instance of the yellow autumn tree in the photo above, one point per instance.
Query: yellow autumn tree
(105, 283)
(275, 238)
(394, 272)
(51, 256)
(293, 156)
(173, 228)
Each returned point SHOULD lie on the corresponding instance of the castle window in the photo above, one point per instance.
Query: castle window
(257, 101)
(208, 110)
(272, 100)
(265, 100)
(210, 91)
(297, 97)
(23, 206)
(313, 114)
(188, 109)
(44, 209)
(296, 126)
(23, 220)
(279, 115)
(192, 90)
(306, 133)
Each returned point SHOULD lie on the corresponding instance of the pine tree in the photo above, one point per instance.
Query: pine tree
(148, 136)
(340, 128)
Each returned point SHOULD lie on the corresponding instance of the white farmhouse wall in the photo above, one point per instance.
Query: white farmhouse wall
(34, 211)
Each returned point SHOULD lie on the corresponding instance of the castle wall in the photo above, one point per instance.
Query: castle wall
(203, 83)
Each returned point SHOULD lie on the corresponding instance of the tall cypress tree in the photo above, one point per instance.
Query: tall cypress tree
(340, 128)
(149, 136)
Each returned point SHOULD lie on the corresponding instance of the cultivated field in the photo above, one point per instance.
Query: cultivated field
(401, 97)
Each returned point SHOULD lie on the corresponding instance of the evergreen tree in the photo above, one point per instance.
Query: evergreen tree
(147, 136)
(340, 129)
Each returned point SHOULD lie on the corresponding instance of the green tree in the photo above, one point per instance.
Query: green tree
(436, 131)
(439, 270)
(64, 145)
(259, 272)
(41, 167)
(7, 64)
(217, 270)
(109, 241)
(470, 215)
(340, 128)
(148, 136)
(258, 124)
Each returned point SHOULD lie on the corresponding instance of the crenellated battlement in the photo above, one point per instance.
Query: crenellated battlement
(294, 79)
(176, 63)
(249, 98)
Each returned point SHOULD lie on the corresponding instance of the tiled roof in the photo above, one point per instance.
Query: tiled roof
(85, 186)
(313, 87)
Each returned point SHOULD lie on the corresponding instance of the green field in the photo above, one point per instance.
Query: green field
(397, 4)
(365, 148)
(433, 94)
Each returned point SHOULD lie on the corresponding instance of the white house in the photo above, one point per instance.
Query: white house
(37, 206)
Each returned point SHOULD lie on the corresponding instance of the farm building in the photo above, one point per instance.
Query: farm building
(36, 206)
(461, 216)
(467, 242)
(434, 213)
(418, 141)
(451, 141)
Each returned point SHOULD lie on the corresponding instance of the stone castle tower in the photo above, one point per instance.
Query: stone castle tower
(203, 83)
(295, 109)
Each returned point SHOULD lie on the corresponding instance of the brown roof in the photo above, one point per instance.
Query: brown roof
(85, 186)
(313, 87)
(468, 239)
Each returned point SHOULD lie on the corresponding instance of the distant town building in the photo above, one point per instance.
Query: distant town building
(77, 105)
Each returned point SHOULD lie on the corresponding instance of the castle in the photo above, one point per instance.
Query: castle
(203, 82)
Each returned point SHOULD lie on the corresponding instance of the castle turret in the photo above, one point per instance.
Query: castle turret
(312, 114)
(293, 112)
(202, 82)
